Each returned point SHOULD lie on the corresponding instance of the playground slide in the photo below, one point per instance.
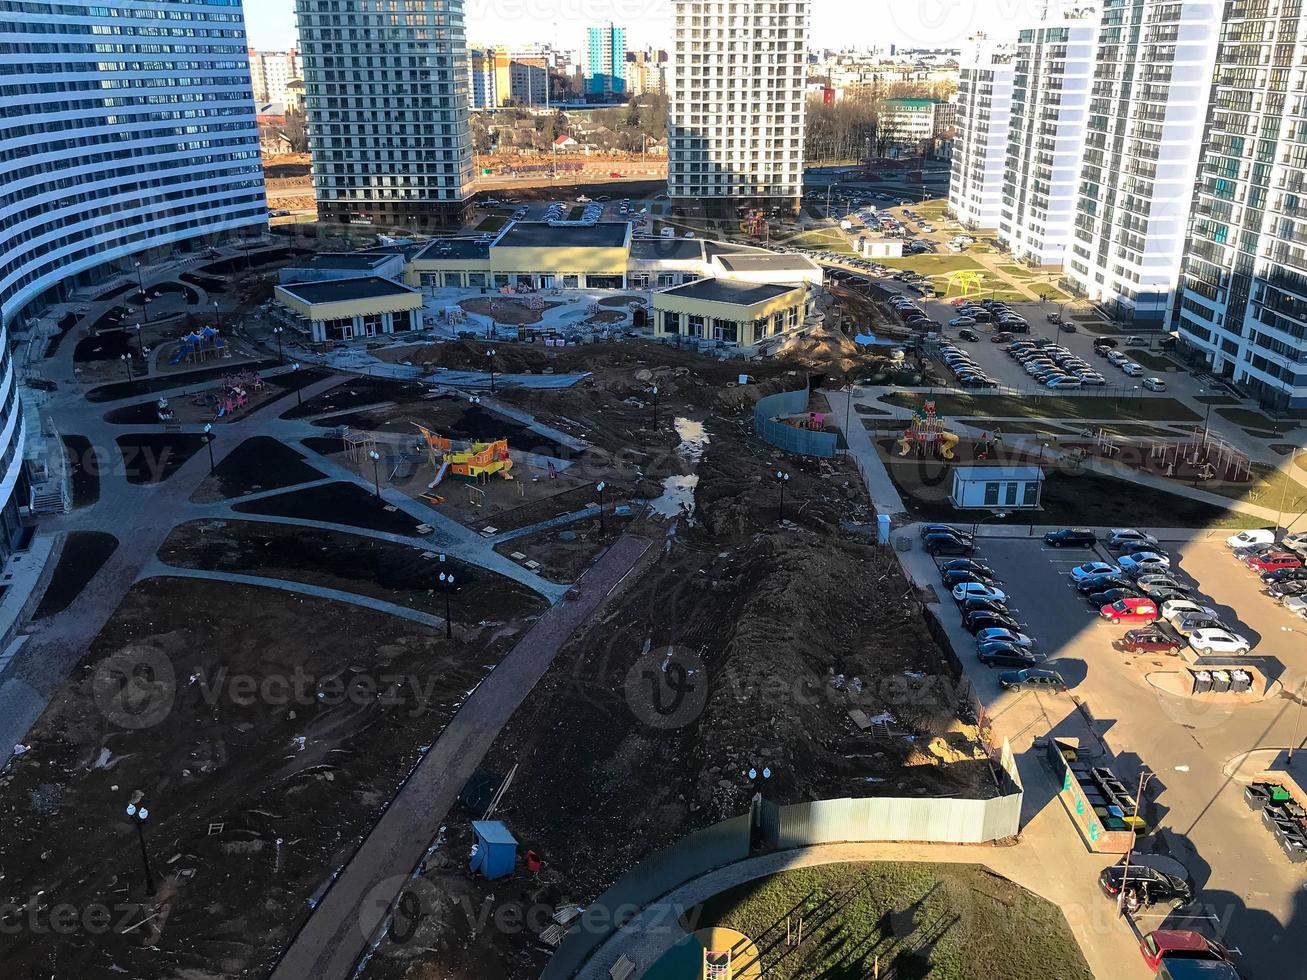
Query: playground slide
(948, 440)
(905, 446)
(440, 475)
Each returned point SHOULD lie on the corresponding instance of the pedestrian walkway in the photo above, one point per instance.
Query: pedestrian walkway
(885, 496)
(331, 941)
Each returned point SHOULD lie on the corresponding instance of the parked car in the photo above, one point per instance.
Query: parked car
(1296, 604)
(1098, 600)
(1091, 568)
(1210, 641)
(1005, 635)
(1101, 583)
(968, 565)
(1145, 886)
(954, 579)
(1154, 384)
(1284, 575)
(1173, 609)
(1188, 624)
(974, 590)
(1124, 535)
(1143, 610)
(976, 622)
(1158, 580)
(1296, 542)
(1034, 678)
(1007, 655)
(970, 336)
(1283, 590)
(947, 544)
(1106, 343)
(1135, 547)
(1275, 561)
(1249, 539)
(1131, 369)
(1071, 537)
(1143, 563)
(1169, 945)
(929, 529)
(1150, 639)
(984, 605)
(962, 321)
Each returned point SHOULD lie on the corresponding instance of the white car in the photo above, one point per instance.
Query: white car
(1296, 541)
(962, 321)
(1005, 636)
(1295, 604)
(1082, 572)
(1173, 610)
(1132, 369)
(1154, 384)
(1143, 563)
(974, 590)
(1128, 535)
(1250, 539)
(1208, 642)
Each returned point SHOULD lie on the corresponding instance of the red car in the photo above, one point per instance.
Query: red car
(614, 174)
(1180, 944)
(1001, 338)
(1273, 561)
(1130, 611)
(1151, 641)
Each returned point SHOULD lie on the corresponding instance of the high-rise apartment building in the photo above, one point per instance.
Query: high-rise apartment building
(1051, 77)
(646, 73)
(605, 63)
(1147, 114)
(482, 79)
(89, 183)
(272, 71)
(736, 125)
(1243, 309)
(984, 108)
(387, 99)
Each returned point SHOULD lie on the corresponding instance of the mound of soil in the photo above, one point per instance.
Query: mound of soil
(464, 355)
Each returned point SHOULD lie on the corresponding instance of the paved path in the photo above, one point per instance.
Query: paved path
(331, 942)
(159, 569)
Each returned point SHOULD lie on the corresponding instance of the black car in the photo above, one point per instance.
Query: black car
(954, 579)
(966, 565)
(1007, 655)
(1169, 595)
(1145, 886)
(1285, 575)
(975, 622)
(1282, 590)
(970, 336)
(984, 605)
(1136, 548)
(1101, 583)
(1100, 599)
(947, 544)
(957, 532)
(1071, 538)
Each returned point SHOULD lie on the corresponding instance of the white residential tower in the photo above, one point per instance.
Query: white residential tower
(984, 109)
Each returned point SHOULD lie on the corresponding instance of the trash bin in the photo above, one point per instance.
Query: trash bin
(1279, 794)
(1220, 682)
(1257, 796)
(1295, 849)
(1202, 681)
(1241, 682)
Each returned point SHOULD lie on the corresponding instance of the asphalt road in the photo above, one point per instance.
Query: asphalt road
(1249, 894)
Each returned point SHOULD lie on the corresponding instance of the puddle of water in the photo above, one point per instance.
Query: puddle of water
(678, 491)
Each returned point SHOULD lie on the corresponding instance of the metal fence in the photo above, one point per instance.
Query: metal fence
(951, 821)
(805, 442)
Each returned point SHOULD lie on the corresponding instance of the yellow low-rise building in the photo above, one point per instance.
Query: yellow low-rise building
(734, 312)
(347, 309)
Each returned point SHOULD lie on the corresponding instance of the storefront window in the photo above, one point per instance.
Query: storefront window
(696, 326)
(671, 322)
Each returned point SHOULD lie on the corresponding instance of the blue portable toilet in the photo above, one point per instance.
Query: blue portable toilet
(495, 853)
(882, 528)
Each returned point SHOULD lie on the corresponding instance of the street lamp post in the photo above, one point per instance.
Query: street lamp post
(1040, 465)
(217, 317)
(1144, 777)
(600, 488)
(139, 814)
(140, 347)
(490, 355)
(281, 357)
(208, 439)
(127, 362)
(782, 478)
(998, 515)
(447, 586)
(376, 469)
(1297, 719)
(655, 406)
(145, 303)
(299, 389)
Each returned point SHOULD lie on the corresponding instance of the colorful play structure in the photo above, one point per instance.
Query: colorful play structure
(927, 434)
(755, 225)
(200, 345)
(231, 395)
(473, 461)
(966, 282)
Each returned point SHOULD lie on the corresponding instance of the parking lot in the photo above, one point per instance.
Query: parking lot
(1248, 893)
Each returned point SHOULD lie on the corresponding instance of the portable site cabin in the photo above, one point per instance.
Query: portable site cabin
(495, 851)
(997, 487)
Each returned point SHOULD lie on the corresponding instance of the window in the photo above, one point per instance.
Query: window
(1032, 494)
(991, 494)
(1010, 494)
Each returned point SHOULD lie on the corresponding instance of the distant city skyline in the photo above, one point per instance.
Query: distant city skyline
(835, 23)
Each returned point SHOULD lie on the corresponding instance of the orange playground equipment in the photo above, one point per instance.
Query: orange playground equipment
(472, 461)
(927, 435)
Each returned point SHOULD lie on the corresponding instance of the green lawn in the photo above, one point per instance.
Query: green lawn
(907, 921)
(493, 223)
(1051, 407)
(1256, 420)
(936, 265)
(1017, 271)
(1153, 361)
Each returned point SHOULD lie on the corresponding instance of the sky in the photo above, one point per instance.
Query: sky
(835, 23)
